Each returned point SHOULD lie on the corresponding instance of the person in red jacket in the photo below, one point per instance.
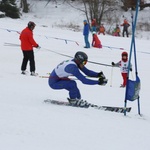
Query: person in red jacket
(27, 44)
(93, 25)
(96, 41)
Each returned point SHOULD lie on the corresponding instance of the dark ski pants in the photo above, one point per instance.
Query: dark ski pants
(28, 56)
(125, 31)
(70, 85)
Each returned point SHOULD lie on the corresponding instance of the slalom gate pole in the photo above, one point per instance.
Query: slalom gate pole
(131, 46)
(136, 74)
(138, 101)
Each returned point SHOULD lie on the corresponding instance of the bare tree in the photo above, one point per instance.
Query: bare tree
(127, 4)
(24, 5)
(95, 8)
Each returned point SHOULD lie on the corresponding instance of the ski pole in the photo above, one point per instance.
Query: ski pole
(111, 76)
(111, 47)
(57, 77)
(11, 44)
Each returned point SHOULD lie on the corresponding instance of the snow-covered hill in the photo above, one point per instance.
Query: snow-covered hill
(26, 123)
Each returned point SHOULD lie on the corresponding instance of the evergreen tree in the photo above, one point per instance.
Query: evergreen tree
(10, 9)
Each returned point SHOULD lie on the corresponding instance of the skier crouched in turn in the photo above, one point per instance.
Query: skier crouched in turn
(59, 78)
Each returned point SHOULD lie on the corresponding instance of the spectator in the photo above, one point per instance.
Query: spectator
(93, 25)
(86, 30)
(101, 29)
(116, 31)
(96, 42)
(125, 28)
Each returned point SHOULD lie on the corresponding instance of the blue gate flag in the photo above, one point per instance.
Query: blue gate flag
(133, 89)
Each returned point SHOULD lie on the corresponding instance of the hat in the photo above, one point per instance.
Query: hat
(85, 21)
(31, 24)
(124, 54)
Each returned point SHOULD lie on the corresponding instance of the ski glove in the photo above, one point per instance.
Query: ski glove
(38, 47)
(130, 69)
(113, 64)
(101, 75)
(102, 80)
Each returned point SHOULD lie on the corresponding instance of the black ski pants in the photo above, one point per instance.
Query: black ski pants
(28, 56)
(125, 31)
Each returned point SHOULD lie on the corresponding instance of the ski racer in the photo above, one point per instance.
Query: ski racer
(59, 77)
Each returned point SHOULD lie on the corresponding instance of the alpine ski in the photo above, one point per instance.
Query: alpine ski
(105, 108)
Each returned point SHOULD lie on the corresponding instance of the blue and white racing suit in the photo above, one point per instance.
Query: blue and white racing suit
(59, 78)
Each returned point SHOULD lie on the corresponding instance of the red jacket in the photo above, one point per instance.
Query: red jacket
(96, 42)
(93, 23)
(27, 41)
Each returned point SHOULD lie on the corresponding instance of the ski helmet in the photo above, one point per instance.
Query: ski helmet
(81, 58)
(124, 54)
(31, 25)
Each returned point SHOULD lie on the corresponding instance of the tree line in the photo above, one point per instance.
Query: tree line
(91, 8)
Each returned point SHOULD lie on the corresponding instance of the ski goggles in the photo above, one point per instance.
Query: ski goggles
(84, 62)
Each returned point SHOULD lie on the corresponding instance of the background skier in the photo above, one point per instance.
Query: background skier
(125, 28)
(27, 44)
(123, 64)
